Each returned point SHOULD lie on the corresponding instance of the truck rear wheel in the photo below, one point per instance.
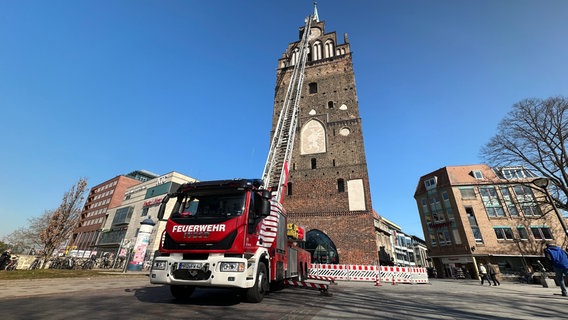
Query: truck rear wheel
(260, 288)
(181, 292)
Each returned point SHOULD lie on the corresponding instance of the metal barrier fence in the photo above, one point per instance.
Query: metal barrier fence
(369, 273)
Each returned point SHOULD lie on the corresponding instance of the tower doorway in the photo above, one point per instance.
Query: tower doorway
(321, 248)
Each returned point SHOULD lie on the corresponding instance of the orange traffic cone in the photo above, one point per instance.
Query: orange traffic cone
(377, 281)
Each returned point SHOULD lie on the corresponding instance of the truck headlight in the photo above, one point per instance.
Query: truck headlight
(159, 265)
(232, 266)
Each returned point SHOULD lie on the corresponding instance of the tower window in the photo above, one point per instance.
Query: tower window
(313, 87)
(340, 185)
(289, 188)
(330, 104)
(314, 164)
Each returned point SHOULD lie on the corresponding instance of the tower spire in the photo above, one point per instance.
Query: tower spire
(316, 17)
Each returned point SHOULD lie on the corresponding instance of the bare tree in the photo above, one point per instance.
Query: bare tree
(533, 135)
(62, 220)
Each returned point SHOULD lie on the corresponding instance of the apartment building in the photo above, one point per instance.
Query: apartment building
(477, 214)
(140, 204)
(397, 248)
(101, 197)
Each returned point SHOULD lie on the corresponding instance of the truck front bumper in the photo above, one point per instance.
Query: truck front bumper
(216, 271)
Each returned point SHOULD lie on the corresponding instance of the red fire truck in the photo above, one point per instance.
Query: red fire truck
(226, 234)
(233, 233)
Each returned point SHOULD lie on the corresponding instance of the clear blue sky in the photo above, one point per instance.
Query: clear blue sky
(100, 88)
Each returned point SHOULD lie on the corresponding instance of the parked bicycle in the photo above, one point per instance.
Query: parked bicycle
(35, 264)
(13, 264)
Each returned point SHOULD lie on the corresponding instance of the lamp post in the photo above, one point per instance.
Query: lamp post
(542, 183)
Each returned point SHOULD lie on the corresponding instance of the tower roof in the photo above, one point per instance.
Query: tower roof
(316, 17)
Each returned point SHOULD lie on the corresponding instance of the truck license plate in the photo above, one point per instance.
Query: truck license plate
(189, 265)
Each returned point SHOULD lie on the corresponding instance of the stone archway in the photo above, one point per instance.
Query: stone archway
(321, 247)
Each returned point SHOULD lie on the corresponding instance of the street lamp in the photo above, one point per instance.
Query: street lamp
(542, 183)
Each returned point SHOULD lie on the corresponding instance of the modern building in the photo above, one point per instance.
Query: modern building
(477, 214)
(328, 188)
(140, 203)
(101, 197)
(420, 249)
(397, 248)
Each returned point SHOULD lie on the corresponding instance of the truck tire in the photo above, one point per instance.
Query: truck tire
(256, 293)
(181, 292)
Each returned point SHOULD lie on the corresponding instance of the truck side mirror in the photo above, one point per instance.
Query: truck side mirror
(163, 207)
(265, 205)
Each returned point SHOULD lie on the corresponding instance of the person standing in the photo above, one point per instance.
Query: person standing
(559, 259)
(492, 275)
(5, 259)
(483, 274)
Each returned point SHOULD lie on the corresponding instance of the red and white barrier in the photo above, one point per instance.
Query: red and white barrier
(369, 273)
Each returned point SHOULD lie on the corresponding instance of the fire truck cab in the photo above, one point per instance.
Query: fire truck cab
(226, 234)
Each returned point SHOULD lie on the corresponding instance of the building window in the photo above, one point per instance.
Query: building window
(491, 202)
(317, 55)
(477, 174)
(541, 233)
(473, 223)
(524, 194)
(430, 183)
(313, 87)
(467, 193)
(340, 185)
(503, 233)
(330, 104)
(517, 173)
(289, 189)
(509, 201)
(145, 211)
(314, 163)
(531, 210)
(328, 49)
(523, 234)
(424, 205)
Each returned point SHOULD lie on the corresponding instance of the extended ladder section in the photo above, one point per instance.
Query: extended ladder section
(275, 174)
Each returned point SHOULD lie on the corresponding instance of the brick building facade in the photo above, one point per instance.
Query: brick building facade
(101, 198)
(328, 188)
(477, 214)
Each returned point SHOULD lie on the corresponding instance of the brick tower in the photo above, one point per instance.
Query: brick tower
(328, 187)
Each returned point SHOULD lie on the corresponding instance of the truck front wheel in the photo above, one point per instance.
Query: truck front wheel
(181, 292)
(260, 288)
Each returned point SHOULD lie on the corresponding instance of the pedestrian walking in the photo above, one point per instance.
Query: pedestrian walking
(559, 259)
(483, 274)
(5, 259)
(492, 275)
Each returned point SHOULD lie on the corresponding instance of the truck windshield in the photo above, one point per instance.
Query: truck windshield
(218, 205)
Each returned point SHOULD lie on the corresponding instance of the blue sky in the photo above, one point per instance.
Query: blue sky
(96, 89)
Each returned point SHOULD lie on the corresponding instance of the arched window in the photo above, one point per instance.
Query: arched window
(340, 185)
(295, 56)
(316, 55)
(329, 49)
(313, 138)
(314, 163)
(330, 104)
(321, 248)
